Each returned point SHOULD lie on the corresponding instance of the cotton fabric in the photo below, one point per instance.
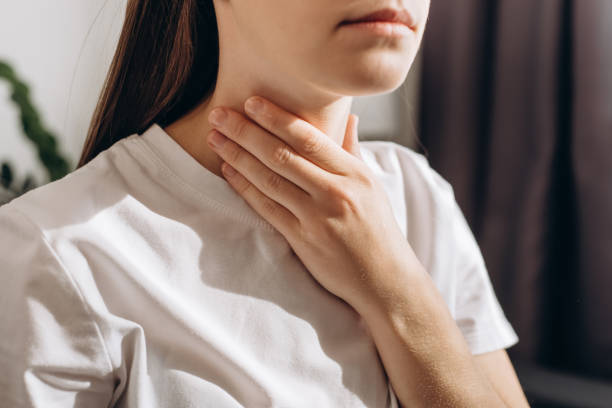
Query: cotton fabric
(144, 280)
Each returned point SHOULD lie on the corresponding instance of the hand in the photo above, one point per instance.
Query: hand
(321, 197)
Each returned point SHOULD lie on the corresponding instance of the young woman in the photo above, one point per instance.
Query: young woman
(310, 270)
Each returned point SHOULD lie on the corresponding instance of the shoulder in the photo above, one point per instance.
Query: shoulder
(52, 347)
(79, 195)
(443, 241)
(20, 237)
(26, 253)
(422, 199)
(390, 158)
(56, 318)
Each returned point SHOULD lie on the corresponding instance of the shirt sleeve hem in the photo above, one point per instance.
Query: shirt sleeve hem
(487, 340)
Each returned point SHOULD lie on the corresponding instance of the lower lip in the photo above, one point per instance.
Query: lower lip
(383, 28)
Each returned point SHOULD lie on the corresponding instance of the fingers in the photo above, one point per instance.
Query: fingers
(253, 171)
(277, 215)
(272, 151)
(306, 139)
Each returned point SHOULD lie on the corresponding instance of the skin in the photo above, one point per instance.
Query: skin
(292, 53)
(296, 162)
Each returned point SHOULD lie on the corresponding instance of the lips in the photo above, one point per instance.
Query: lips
(401, 16)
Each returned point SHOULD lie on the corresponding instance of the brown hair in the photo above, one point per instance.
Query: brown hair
(166, 62)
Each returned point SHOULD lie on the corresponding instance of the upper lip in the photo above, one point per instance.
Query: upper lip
(402, 16)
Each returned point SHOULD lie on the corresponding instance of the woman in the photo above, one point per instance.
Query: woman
(323, 273)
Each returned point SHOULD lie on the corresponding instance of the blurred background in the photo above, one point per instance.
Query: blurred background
(510, 100)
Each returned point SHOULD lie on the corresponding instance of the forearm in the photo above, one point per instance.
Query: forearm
(423, 351)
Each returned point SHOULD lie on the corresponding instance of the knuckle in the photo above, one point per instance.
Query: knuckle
(341, 200)
(334, 190)
(273, 181)
(233, 152)
(311, 145)
(281, 156)
(269, 207)
(364, 176)
(307, 233)
(243, 187)
(241, 128)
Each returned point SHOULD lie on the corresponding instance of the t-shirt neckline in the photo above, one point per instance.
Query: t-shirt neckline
(209, 187)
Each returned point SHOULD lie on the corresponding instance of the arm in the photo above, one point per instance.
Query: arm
(426, 358)
(319, 197)
(497, 367)
(51, 352)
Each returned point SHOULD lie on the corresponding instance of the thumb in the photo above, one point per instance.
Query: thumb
(351, 137)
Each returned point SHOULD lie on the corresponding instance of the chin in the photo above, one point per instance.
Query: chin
(365, 74)
(373, 81)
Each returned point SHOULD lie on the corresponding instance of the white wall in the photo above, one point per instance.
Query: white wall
(62, 49)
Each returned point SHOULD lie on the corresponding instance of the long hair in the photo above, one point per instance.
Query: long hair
(166, 62)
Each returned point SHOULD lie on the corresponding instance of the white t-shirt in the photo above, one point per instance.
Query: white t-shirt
(144, 280)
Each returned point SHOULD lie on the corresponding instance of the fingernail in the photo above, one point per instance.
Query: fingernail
(217, 116)
(253, 105)
(216, 139)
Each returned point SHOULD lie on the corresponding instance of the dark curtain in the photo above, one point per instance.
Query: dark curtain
(517, 115)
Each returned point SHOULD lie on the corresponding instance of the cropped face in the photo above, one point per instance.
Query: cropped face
(306, 40)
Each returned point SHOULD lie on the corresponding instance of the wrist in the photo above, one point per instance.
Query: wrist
(387, 299)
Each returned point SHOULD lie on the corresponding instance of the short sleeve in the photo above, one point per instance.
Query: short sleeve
(51, 351)
(425, 206)
(477, 310)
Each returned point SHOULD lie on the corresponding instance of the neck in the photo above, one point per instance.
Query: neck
(327, 112)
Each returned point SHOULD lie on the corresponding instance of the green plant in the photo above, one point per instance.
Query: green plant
(56, 165)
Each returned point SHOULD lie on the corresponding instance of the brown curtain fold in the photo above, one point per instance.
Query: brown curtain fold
(517, 115)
